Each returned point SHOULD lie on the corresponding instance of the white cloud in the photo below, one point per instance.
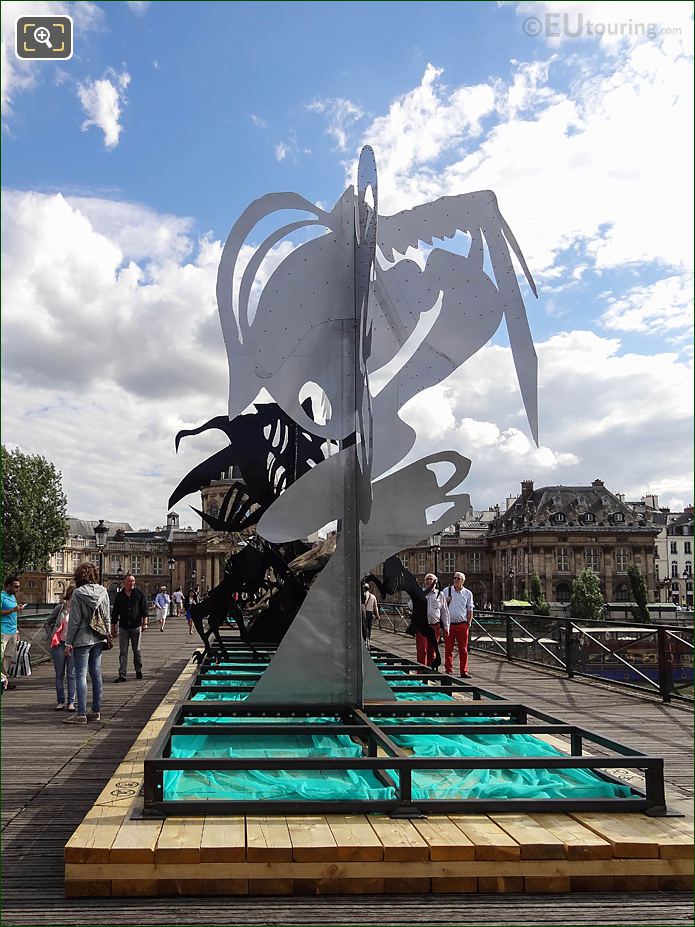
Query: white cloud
(341, 116)
(281, 151)
(139, 7)
(665, 307)
(19, 76)
(102, 100)
(604, 414)
(583, 170)
(258, 121)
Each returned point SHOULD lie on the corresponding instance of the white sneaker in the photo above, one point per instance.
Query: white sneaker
(60, 706)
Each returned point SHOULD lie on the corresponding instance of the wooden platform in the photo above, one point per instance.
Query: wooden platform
(113, 852)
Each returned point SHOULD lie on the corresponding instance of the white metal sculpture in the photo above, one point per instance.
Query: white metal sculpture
(338, 307)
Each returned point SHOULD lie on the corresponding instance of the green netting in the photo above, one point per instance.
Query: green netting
(220, 696)
(269, 784)
(231, 683)
(431, 696)
(322, 785)
(229, 671)
(500, 783)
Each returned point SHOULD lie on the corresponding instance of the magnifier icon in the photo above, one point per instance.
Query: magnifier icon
(43, 35)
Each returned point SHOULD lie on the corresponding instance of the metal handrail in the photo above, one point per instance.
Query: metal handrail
(572, 631)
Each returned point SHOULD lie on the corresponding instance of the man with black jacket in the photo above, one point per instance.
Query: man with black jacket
(128, 613)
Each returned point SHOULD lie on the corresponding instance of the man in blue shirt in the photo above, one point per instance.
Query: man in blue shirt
(8, 624)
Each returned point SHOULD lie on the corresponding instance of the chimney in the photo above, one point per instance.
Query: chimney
(526, 489)
(620, 496)
(651, 501)
(510, 502)
(597, 484)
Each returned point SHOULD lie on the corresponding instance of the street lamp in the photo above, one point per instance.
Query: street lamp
(119, 575)
(435, 544)
(101, 532)
(172, 564)
(194, 577)
(202, 585)
(510, 576)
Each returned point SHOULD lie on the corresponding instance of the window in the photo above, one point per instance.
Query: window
(115, 563)
(158, 565)
(674, 570)
(563, 560)
(135, 564)
(562, 593)
(622, 593)
(559, 518)
(449, 561)
(95, 559)
(622, 559)
(689, 567)
(674, 547)
(60, 561)
(76, 560)
(213, 509)
(589, 517)
(474, 560)
(591, 555)
(618, 517)
(686, 548)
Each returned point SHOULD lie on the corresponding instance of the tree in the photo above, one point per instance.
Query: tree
(586, 601)
(638, 587)
(537, 596)
(33, 517)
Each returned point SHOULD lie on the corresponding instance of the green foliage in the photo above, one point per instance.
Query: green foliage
(33, 516)
(638, 588)
(537, 596)
(587, 600)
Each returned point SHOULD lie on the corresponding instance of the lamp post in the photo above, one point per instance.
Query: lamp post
(194, 577)
(435, 544)
(510, 577)
(119, 577)
(172, 564)
(686, 576)
(202, 585)
(101, 532)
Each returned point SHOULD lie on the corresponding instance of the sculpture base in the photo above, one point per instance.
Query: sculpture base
(117, 851)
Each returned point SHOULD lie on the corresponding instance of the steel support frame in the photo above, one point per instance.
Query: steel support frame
(364, 726)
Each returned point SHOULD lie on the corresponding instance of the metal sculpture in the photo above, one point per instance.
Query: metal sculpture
(339, 308)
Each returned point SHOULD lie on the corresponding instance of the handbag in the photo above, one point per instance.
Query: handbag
(21, 661)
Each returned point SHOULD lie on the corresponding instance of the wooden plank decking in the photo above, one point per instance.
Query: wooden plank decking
(53, 775)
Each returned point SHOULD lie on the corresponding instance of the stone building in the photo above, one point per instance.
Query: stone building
(557, 531)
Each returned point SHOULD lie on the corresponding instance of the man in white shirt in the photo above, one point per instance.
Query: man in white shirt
(371, 609)
(460, 603)
(437, 618)
(161, 607)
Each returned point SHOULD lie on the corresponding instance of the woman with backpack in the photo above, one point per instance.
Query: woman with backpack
(88, 635)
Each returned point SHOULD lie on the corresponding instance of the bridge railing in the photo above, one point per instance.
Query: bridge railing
(645, 657)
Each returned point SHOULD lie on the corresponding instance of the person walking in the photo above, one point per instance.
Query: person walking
(128, 617)
(190, 600)
(88, 633)
(62, 663)
(437, 618)
(177, 599)
(371, 609)
(460, 603)
(8, 627)
(161, 607)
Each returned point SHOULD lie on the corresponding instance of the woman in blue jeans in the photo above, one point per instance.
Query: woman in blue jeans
(58, 630)
(88, 631)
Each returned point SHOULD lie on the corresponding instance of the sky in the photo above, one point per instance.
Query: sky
(125, 167)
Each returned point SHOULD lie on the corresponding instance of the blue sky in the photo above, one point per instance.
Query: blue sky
(126, 166)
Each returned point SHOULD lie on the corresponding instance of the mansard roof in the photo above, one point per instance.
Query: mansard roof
(571, 508)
